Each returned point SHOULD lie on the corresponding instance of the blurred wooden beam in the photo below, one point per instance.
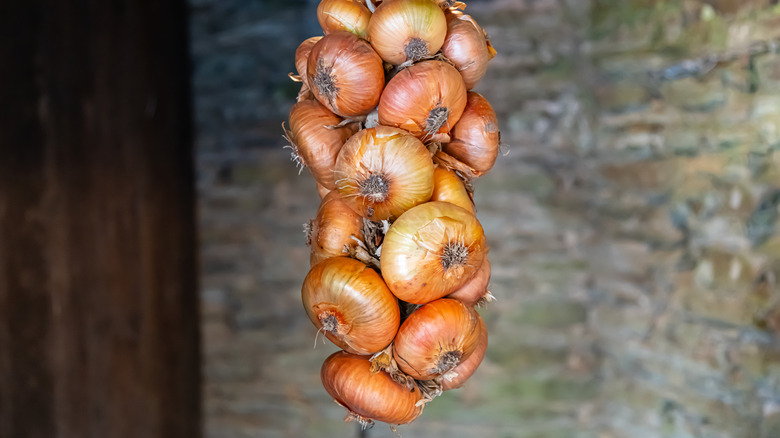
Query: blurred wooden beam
(98, 278)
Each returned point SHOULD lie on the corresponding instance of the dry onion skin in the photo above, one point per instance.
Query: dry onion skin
(315, 139)
(436, 338)
(407, 30)
(475, 291)
(349, 15)
(368, 396)
(425, 99)
(467, 48)
(448, 187)
(335, 230)
(475, 139)
(381, 172)
(466, 369)
(431, 250)
(345, 74)
(350, 303)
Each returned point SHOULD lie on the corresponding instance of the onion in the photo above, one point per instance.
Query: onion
(436, 338)
(424, 99)
(322, 190)
(350, 303)
(475, 139)
(382, 172)
(475, 291)
(334, 230)
(407, 30)
(448, 187)
(314, 141)
(431, 250)
(302, 54)
(368, 396)
(345, 74)
(349, 15)
(466, 369)
(466, 46)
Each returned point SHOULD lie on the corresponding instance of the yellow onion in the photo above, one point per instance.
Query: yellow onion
(461, 373)
(322, 191)
(382, 172)
(475, 139)
(475, 291)
(345, 74)
(368, 396)
(302, 55)
(431, 250)
(351, 304)
(424, 99)
(467, 47)
(349, 15)
(315, 139)
(448, 187)
(334, 230)
(436, 338)
(407, 30)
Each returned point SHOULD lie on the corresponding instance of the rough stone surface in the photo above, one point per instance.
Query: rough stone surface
(632, 221)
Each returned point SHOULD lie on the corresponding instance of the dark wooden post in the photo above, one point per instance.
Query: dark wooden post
(98, 278)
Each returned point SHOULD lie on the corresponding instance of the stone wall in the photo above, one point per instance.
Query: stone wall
(631, 221)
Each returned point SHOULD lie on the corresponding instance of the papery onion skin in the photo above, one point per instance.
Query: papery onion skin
(475, 139)
(349, 15)
(436, 338)
(302, 55)
(369, 396)
(322, 191)
(316, 143)
(351, 304)
(381, 172)
(432, 250)
(424, 99)
(466, 369)
(466, 46)
(345, 74)
(475, 290)
(335, 228)
(398, 23)
(448, 187)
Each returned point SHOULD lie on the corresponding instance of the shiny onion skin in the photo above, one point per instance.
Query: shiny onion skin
(366, 395)
(316, 144)
(302, 55)
(475, 139)
(349, 15)
(382, 172)
(436, 338)
(467, 48)
(475, 291)
(335, 227)
(467, 368)
(448, 187)
(431, 250)
(424, 99)
(345, 74)
(407, 30)
(351, 304)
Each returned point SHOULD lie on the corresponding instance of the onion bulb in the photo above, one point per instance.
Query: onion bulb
(475, 291)
(315, 141)
(466, 46)
(424, 99)
(407, 30)
(335, 229)
(431, 250)
(448, 187)
(322, 190)
(351, 304)
(436, 338)
(475, 139)
(302, 55)
(382, 172)
(349, 15)
(368, 396)
(345, 74)
(461, 373)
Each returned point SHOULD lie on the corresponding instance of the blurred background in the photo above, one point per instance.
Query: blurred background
(632, 219)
